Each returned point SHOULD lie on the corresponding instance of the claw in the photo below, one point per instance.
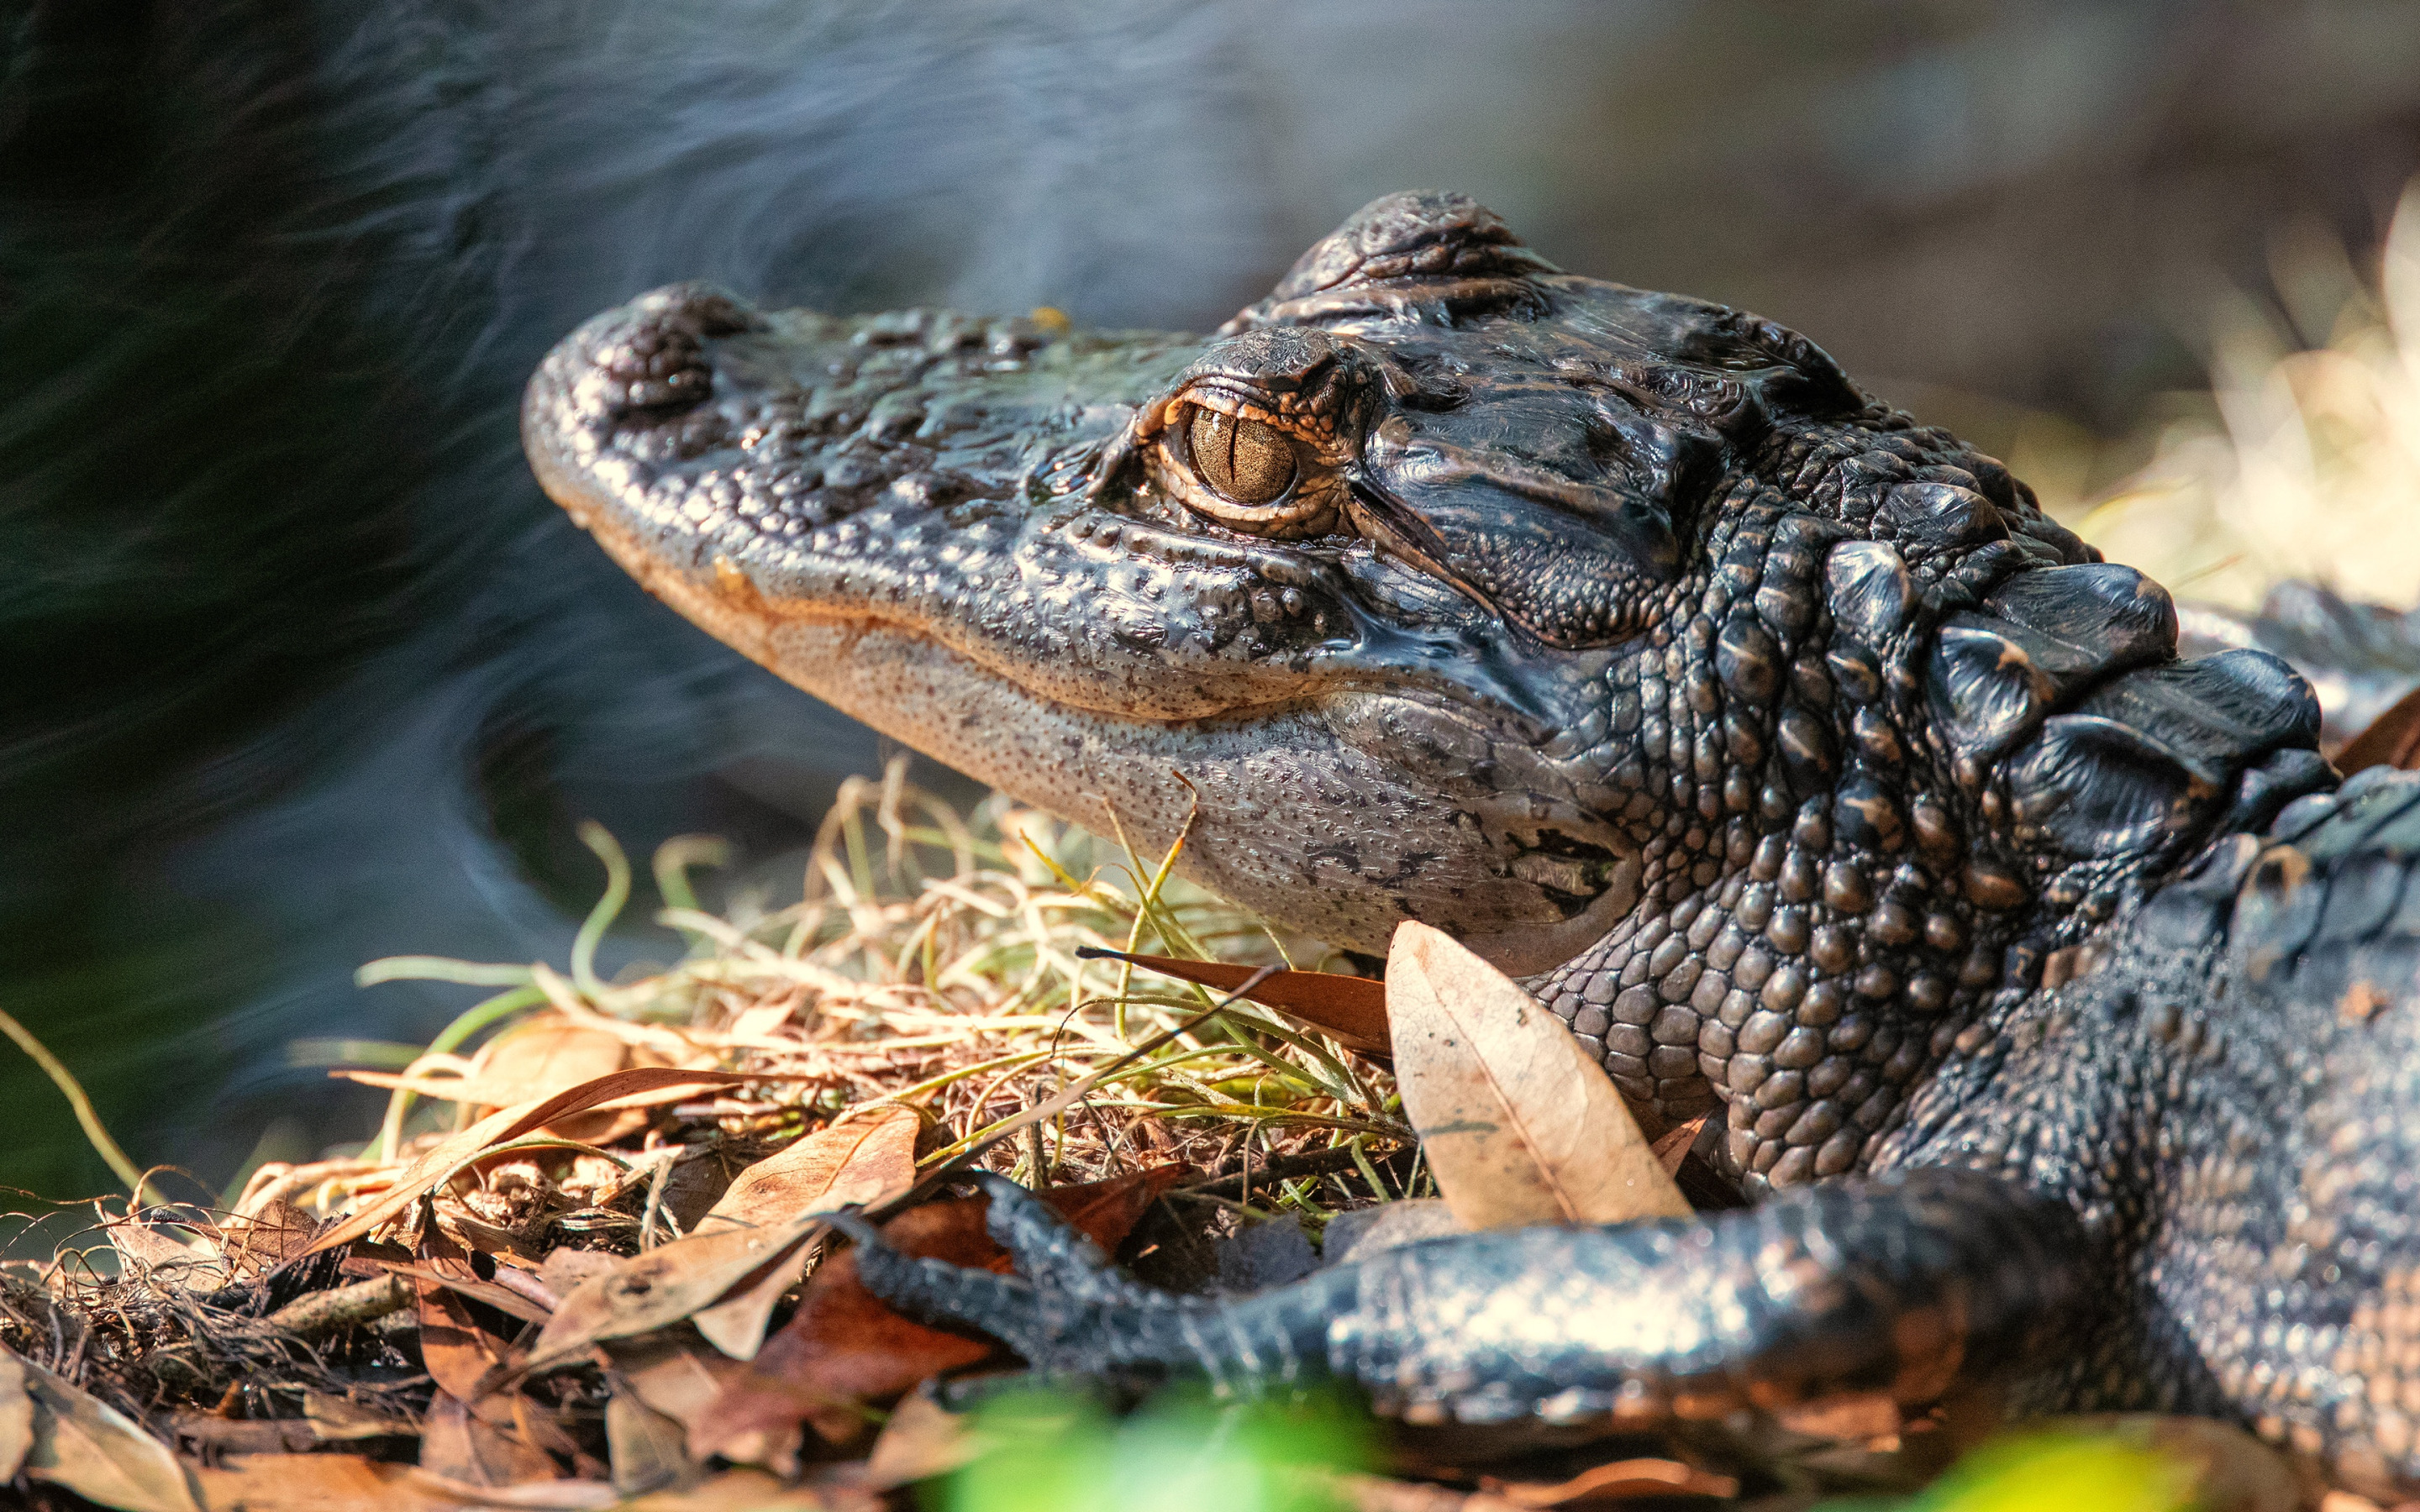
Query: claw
(1048, 1250)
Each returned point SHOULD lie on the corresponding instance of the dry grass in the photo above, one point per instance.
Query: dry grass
(931, 962)
(2306, 463)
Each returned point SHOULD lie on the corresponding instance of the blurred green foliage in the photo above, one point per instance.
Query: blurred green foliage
(2057, 1471)
(1048, 1452)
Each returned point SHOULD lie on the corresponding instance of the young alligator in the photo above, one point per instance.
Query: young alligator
(2059, 1014)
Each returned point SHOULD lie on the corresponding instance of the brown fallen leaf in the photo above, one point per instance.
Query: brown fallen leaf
(178, 1254)
(647, 1450)
(82, 1442)
(1351, 1011)
(1872, 1419)
(860, 1162)
(507, 1124)
(843, 1347)
(563, 1270)
(1622, 1481)
(16, 1415)
(503, 1299)
(868, 1161)
(545, 1496)
(670, 1373)
(465, 1360)
(1377, 1493)
(2393, 739)
(752, 1490)
(1672, 1147)
(664, 1286)
(264, 1239)
(922, 1441)
(542, 1057)
(314, 1483)
(463, 1446)
(1519, 1126)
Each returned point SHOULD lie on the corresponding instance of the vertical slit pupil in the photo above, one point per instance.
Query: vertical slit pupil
(1245, 460)
(1213, 449)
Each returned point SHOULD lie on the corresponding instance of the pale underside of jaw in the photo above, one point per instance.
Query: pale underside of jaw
(1291, 813)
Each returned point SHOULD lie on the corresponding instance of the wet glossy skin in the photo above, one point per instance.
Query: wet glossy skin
(1800, 764)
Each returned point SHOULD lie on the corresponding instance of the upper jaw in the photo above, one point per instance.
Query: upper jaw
(966, 481)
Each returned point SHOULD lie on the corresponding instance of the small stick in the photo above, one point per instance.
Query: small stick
(324, 1312)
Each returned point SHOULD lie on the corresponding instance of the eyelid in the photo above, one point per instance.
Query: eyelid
(1310, 504)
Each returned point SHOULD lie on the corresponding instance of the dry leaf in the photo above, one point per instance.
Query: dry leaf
(921, 1441)
(736, 1325)
(94, 1450)
(758, 1022)
(1673, 1146)
(1355, 1235)
(16, 1415)
(510, 1123)
(665, 1286)
(1351, 1011)
(865, 1161)
(1620, 1481)
(314, 1483)
(562, 1271)
(671, 1374)
(546, 1495)
(181, 1256)
(266, 1239)
(1519, 1126)
(541, 1057)
(338, 1419)
(2393, 739)
(751, 1491)
(844, 1347)
(1872, 1419)
(460, 1356)
(548, 1054)
(868, 1161)
(648, 1449)
(501, 1298)
(1376, 1494)
(459, 1446)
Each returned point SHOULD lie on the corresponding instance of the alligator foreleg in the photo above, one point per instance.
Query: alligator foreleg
(1906, 1287)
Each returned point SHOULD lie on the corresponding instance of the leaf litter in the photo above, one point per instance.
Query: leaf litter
(581, 1263)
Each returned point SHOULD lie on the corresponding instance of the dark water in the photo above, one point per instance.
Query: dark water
(301, 669)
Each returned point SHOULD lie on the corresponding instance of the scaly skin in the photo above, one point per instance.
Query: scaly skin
(1782, 744)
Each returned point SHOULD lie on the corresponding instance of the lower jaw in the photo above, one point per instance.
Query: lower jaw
(1259, 786)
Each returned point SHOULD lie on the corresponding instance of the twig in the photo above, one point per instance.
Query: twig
(324, 1312)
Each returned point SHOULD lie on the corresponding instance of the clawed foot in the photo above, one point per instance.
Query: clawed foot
(1067, 1311)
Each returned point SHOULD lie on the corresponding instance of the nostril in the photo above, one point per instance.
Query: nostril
(654, 359)
(653, 370)
(700, 308)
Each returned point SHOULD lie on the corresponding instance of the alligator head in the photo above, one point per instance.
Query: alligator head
(1618, 633)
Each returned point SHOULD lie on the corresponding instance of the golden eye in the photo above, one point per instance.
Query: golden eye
(1246, 460)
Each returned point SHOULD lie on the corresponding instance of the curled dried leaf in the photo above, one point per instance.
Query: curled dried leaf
(1519, 1126)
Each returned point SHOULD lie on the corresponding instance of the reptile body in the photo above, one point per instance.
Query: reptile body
(2056, 1005)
